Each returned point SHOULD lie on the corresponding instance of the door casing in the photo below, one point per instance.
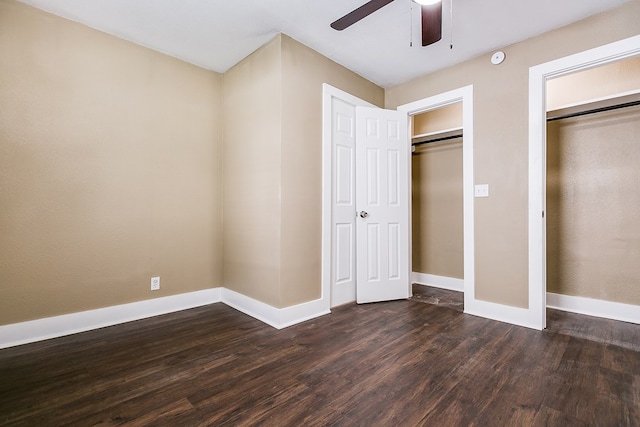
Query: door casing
(538, 76)
(464, 95)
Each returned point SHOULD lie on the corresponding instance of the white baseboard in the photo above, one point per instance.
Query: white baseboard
(442, 282)
(277, 317)
(53, 327)
(290, 316)
(594, 307)
(252, 307)
(57, 326)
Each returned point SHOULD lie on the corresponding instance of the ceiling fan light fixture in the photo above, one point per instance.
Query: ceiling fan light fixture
(427, 2)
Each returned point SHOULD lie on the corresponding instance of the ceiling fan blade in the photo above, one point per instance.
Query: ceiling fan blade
(431, 23)
(362, 12)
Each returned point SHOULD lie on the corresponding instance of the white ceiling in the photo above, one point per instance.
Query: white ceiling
(217, 34)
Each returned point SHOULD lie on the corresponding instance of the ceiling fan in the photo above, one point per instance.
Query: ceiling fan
(431, 18)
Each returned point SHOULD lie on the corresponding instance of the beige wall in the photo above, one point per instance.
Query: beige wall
(593, 196)
(252, 175)
(599, 82)
(111, 164)
(272, 163)
(110, 169)
(112, 161)
(303, 73)
(501, 141)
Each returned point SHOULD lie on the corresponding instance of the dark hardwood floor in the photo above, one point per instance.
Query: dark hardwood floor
(402, 363)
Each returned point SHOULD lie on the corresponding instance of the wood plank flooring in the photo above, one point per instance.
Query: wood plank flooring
(403, 363)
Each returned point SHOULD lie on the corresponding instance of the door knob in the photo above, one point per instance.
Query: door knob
(363, 214)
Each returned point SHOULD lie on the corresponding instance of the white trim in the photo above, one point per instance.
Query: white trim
(464, 94)
(252, 307)
(595, 307)
(503, 313)
(57, 326)
(295, 314)
(328, 93)
(325, 263)
(277, 317)
(538, 76)
(442, 282)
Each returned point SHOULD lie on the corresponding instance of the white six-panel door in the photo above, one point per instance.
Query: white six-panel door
(382, 205)
(343, 229)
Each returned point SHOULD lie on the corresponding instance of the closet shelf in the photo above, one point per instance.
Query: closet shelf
(627, 99)
(441, 135)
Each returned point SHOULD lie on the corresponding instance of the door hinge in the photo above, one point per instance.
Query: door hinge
(542, 214)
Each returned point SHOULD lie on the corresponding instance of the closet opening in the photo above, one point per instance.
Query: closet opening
(593, 191)
(437, 214)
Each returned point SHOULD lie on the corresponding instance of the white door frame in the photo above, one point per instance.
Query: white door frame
(464, 95)
(538, 76)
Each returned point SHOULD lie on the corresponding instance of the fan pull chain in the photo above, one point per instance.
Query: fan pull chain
(411, 24)
(451, 28)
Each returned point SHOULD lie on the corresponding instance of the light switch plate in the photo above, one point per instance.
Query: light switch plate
(481, 190)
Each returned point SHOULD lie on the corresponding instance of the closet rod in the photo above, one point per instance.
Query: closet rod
(595, 110)
(443, 138)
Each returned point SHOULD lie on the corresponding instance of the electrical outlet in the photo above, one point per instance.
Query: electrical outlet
(155, 283)
(481, 190)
